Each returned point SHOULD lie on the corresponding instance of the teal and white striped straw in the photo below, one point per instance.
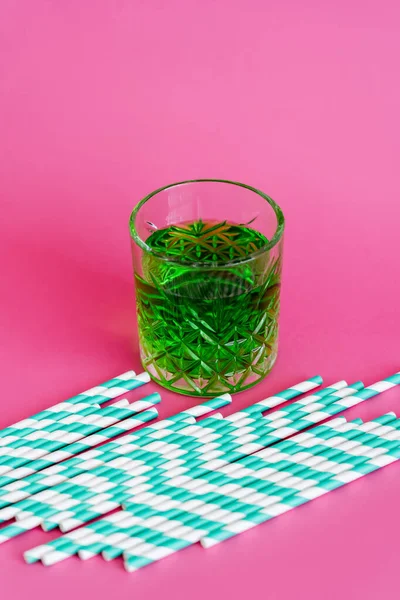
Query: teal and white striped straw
(372, 390)
(51, 476)
(26, 483)
(84, 444)
(107, 527)
(108, 506)
(36, 428)
(292, 392)
(210, 508)
(243, 445)
(97, 395)
(74, 422)
(205, 502)
(73, 537)
(85, 415)
(249, 503)
(14, 487)
(69, 433)
(183, 439)
(103, 525)
(19, 447)
(378, 387)
(379, 456)
(18, 528)
(116, 492)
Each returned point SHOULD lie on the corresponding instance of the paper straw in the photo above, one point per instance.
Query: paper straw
(70, 433)
(103, 435)
(87, 460)
(115, 496)
(12, 485)
(95, 507)
(300, 497)
(76, 423)
(17, 489)
(376, 388)
(182, 435)
(97, 395)
(242, 445)
(168, 527)
(56, 457)
(147, 553)
(16, 529)
(295, 389)
(37, 427)
(32, 522)
(85, 416)
(197, 487)
(288, 394)
(102, 525)
(23, 525)
(112, 518)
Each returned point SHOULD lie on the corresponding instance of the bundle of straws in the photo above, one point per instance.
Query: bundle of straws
(193, 477)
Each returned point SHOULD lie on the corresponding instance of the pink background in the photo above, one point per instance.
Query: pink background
(102, 102)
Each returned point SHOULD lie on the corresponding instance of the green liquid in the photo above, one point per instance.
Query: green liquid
(210, 329)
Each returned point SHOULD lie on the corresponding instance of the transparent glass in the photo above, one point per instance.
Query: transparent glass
(207, 259)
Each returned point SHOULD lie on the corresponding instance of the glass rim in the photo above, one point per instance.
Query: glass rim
(273, 242)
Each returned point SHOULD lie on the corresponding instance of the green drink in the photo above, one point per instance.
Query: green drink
(207, 259)
(212, 329)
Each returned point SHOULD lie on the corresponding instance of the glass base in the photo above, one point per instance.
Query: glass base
(210, 387)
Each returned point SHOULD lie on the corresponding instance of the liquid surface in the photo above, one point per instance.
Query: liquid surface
(208, 329)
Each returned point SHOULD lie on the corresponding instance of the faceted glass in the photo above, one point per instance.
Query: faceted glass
(207, 259)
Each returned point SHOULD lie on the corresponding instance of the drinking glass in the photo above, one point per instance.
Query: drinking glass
(207, 258)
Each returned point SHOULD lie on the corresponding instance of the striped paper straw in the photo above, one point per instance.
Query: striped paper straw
(202, 434)
(37, 427)
(70, 433)
(52, 472)
(102, 525)
(309, 492)
(30, 523)
(288, 394)
(87, 461)
(110, 500)
(97, 395)
(86, 415)
(146, 553)
(197, 411)
(209, 406)
(203, 507)
(301, 387)
(197, 486)
(54, 457)
(244, 448)
(117, 493)
(52, 477)
(31, 425)
(104, 435)
(93, 508)
(16, 529)
(74, 423)
(57, 542)
(22, 446)
(376, 387)
(55, 431)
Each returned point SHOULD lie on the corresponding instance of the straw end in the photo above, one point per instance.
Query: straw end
(358, 385)
(144, 377)
(226, 397)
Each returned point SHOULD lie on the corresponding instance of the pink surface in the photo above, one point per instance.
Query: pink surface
(102, 102)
